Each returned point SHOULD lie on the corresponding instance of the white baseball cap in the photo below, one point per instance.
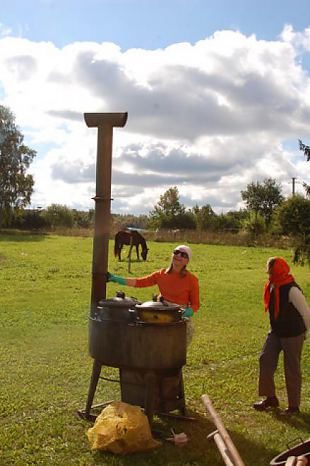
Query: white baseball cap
(184, 248)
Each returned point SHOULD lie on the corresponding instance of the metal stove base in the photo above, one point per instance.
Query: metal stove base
(158, 392)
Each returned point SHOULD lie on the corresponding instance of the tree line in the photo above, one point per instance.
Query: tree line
(266, 209)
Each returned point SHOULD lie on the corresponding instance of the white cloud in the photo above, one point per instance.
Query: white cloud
(300, 40)
(208, 117)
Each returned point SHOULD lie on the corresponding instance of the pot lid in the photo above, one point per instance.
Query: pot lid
(120, 300)
(161, 305)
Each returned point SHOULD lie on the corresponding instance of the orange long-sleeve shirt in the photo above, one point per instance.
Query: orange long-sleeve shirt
(174, 288)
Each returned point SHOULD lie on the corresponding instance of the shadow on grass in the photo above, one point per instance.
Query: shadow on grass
(197, 452)
(300, 421)
(18, 236)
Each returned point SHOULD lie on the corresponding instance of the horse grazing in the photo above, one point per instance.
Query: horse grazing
(130, 238)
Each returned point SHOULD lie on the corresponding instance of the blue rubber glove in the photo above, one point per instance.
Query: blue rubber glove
(116, 279)
(188, 312)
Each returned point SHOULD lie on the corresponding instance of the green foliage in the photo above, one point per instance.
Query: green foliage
(263, 198)
(306, 150)
(231, 221)
(167, 208)
(29, 219)
(54, 216)
(293, 216)
(46, 368)
(185, 221)
(170, 213)
(254, 224)
(121, 221)
(302, 240)
(205, 218)
(83, 219)
(57, 215)
(302, 250)
(16, 186)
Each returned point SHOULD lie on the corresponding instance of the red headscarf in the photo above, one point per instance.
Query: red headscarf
(279, 276)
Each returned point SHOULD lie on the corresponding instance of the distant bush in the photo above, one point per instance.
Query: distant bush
(29, 220)
(255, 224)
(83, 219)
(57, 215)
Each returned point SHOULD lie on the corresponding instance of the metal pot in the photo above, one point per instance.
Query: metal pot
(302, 449)
(158, 312)
(119, 308)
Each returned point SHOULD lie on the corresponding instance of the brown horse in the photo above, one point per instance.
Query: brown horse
(130, 238)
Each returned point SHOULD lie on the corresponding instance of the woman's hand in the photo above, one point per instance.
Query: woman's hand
(115, 279)
(188, 312)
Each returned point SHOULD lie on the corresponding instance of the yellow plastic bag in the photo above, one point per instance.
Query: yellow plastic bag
(121, 428)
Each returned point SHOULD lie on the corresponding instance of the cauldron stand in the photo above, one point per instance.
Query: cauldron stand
(149, 357)
(148, 389)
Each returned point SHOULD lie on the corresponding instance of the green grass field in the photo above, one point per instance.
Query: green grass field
(45, 367)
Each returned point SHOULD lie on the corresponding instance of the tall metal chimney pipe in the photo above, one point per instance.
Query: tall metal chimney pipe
(105, 123)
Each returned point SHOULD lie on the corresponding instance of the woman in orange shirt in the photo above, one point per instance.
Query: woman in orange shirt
(176, 284)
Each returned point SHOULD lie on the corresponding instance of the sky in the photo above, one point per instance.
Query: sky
(217, 95)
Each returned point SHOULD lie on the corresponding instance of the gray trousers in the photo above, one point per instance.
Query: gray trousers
(268, 362)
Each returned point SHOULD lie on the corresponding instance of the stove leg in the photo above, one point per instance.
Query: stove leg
(149, 403)
(92, 387)
(182, 396)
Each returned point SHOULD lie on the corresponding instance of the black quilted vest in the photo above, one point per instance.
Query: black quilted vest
(289, 322)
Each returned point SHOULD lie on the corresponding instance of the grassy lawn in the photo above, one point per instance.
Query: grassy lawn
(45, 367)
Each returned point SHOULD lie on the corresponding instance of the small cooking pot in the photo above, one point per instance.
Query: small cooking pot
(159, 312)
(118, 308)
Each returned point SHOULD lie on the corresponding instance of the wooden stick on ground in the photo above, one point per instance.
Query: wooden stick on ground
(221, 437)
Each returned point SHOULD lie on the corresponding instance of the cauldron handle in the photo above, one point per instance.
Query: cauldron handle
(163, 301)
(293, 442)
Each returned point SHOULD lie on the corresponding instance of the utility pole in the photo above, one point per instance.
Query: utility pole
(293, 186)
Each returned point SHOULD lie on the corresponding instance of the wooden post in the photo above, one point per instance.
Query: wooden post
(224, 443)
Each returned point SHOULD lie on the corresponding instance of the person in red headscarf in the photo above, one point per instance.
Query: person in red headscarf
(289, 316)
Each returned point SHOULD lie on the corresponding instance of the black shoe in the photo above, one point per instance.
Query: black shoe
(269, 402)
(291, 410)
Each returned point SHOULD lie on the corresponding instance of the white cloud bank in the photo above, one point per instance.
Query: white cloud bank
(208, 117)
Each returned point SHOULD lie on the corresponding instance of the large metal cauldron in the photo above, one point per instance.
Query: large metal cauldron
(149, 355)
(118, 336)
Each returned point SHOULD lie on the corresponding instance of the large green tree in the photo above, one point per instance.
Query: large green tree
(298, 212)
(16, 186)
(170, 213)
(293, 217)
(306, 151)
(205, 218)
(263, 198)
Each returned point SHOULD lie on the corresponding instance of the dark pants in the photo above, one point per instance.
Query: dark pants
(268, 362)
